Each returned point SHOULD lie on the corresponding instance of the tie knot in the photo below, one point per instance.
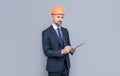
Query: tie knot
(58, 29)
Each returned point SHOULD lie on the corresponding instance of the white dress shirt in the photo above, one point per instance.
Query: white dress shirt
(55, 28)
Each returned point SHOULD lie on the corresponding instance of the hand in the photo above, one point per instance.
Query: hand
(66, 50)
(72, 50)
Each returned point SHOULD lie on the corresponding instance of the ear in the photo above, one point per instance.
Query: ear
(53, 17)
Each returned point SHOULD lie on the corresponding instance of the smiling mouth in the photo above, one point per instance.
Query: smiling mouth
(60, 22)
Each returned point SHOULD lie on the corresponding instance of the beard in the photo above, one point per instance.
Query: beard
(58, 23)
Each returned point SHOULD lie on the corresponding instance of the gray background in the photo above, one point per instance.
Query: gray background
(96, 22)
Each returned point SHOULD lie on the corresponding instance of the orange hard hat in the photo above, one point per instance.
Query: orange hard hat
(57, 10)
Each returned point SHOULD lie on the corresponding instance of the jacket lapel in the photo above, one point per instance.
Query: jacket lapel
(64, 36)
(53, 32)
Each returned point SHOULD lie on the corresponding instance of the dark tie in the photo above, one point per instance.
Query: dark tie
(60, 37)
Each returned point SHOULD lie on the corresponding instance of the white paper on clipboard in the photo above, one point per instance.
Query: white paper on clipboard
(79, 45)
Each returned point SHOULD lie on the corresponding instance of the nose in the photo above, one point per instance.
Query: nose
(61, 19)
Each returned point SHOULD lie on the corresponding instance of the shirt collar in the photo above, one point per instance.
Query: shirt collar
(55, 27)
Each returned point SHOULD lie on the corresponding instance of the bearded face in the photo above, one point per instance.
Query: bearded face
(58, 19)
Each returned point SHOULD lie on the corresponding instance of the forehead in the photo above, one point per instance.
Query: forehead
(59, 15)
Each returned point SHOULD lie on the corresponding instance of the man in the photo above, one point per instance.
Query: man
(56, 45)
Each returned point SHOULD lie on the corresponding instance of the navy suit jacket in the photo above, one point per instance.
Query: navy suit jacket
(52, 49)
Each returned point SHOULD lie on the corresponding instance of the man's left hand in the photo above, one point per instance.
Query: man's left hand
(72, 50)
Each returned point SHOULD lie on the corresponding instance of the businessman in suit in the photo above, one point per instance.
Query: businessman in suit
(56, 45)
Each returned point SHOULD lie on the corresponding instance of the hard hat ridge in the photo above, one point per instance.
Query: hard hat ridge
(57, 10)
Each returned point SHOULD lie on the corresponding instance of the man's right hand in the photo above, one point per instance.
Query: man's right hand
(66, 50)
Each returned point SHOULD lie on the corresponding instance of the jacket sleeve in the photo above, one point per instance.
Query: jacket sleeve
(47, 46)
(69, 40)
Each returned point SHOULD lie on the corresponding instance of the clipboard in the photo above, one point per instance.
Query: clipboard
(79, 45)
